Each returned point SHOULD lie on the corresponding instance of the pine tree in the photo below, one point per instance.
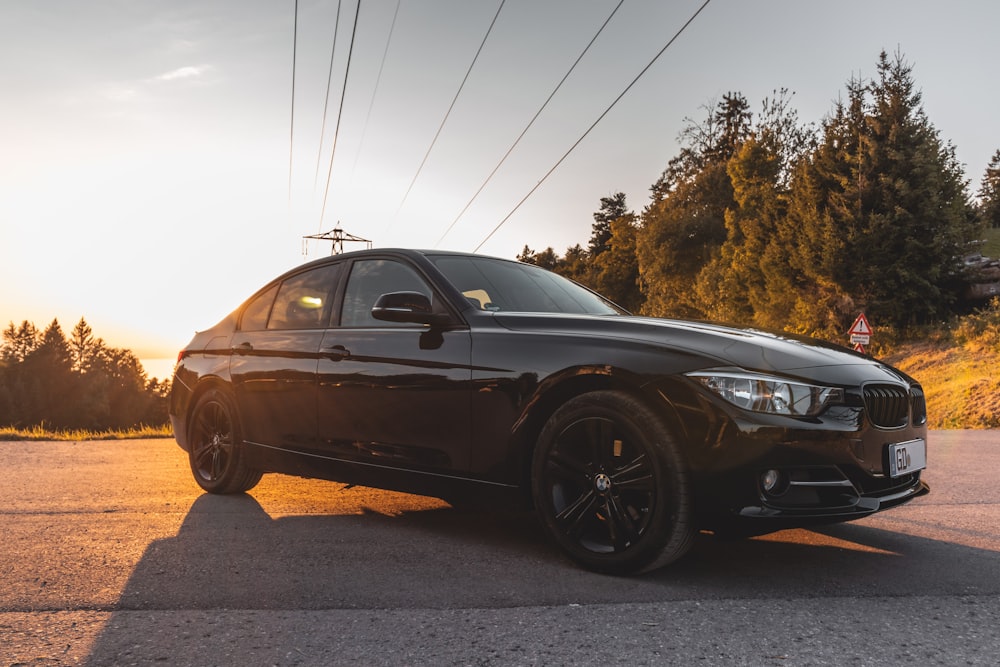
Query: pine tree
(749, 280)
(684, 225)
(547, 259)
(19, 342)
(48, 380)
(124, 382)
(612, 208)
(989, 194)
(83, 346)
(616, 271)
(733, 286)
(575, 265)
(882, 208)
(822, 210)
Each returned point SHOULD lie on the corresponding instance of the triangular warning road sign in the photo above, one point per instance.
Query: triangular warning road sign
(861, 326)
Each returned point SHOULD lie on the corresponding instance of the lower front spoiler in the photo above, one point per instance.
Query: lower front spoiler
(765, 517)
(864, 506)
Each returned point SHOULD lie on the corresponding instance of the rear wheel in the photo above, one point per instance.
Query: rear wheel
(216, 452)
(611, 486)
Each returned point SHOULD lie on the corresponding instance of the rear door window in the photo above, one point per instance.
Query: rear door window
(304, 300)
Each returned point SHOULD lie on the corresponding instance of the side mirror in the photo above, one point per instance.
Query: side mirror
(409, 307)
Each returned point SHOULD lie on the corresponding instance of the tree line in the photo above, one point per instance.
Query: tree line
(49, 380)
(761, 220)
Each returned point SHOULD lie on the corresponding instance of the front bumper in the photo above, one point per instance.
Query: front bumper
(831, 468)
(829, 493)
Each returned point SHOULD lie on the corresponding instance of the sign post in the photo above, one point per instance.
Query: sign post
(860, 333)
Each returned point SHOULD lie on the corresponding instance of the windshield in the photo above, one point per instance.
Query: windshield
(500, 285)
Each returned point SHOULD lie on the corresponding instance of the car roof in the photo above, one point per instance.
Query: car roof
(413, 253)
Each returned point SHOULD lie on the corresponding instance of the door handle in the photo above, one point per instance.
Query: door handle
(336, 352)
(243, 347)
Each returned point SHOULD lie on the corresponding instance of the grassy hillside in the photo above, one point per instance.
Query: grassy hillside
(959, 370)
(962, 385)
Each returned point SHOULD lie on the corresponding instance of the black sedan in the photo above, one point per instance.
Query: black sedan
(478, 379)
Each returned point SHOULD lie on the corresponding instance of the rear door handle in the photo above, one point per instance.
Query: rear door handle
(243, 347)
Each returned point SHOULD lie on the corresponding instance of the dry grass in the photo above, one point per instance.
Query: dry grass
(962, 382)
(42, 433)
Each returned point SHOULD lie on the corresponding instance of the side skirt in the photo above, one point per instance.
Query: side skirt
(448, 487)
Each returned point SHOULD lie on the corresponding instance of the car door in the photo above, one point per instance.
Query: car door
(394, 394)
(274, 358)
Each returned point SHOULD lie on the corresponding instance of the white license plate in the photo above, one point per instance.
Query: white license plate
(907, 457)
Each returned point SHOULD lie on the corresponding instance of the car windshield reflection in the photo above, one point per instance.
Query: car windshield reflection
(498, 285)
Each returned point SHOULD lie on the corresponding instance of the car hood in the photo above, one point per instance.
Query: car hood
(718, 345)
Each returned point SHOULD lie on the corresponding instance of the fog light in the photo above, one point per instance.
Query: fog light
(770, 480)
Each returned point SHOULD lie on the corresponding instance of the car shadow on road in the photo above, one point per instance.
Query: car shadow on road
(229, 554)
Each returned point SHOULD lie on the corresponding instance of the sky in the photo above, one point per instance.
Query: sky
(156, 168)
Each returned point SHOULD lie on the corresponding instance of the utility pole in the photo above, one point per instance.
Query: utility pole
(337, 236)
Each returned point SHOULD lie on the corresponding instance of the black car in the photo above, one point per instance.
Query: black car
(479, 379)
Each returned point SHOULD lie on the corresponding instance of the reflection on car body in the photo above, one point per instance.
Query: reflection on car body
(462, 376)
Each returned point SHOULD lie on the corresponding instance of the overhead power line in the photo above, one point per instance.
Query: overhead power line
(378, 80)
(326, 103)
(589, 129)
(291, 122)
(452, 106)
(530, 123)
(340, 111)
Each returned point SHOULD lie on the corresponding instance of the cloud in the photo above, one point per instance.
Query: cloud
(189, 72)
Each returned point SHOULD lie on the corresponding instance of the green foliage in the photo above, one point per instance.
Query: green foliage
(981, 329)
(747, 281)
(612, 208)
(19, 341)
(762, 221)
(685, 223)
(679, 235)
(79, 383)
(713, 243)
(882, 207)
(615, 272)
(547, 259)
(609, 266)
(992, 246)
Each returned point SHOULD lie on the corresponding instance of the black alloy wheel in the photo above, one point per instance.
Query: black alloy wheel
(216, 454)
(610, 485)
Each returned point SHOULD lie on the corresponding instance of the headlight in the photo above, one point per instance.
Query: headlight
(766, 393)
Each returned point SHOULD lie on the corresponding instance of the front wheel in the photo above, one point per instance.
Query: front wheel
(216, 446)
(610, 485)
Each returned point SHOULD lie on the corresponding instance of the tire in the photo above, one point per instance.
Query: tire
(611, 486)
(216, 453)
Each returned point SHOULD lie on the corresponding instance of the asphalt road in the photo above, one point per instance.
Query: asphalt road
(110, 555)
